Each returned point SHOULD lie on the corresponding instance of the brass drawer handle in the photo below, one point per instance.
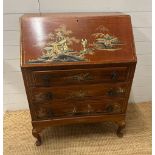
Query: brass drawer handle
(112, 92)
(113, 108)
(82, 77)
(114, 75)
(115, 92)
(109, 109)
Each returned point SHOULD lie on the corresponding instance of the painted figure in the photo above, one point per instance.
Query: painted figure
(84, 44)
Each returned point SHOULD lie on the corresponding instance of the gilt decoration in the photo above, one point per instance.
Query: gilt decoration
(59, 47)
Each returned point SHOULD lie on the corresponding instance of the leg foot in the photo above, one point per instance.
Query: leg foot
(121, 126)
(38, 142)
(36, 134)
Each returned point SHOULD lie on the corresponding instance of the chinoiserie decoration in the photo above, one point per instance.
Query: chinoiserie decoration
(58, 48)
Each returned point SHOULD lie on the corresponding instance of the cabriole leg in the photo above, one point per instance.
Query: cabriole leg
(121, 126)
(36, 134)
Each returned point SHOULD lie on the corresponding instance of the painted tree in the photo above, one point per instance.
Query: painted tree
(59, 41)
(61, 33)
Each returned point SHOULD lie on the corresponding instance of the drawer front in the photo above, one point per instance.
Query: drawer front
(70, 109)
(83, 76)
(78, 100)
(77, 93)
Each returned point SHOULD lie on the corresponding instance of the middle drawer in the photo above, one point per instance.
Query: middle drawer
(73, 93)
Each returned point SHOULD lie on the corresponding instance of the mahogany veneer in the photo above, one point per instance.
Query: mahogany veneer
(77, 67)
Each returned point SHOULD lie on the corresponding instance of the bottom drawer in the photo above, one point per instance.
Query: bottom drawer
(79, 108)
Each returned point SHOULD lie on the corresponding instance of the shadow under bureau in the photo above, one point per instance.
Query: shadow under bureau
(77, 67)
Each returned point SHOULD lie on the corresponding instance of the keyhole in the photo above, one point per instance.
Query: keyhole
(77, 20)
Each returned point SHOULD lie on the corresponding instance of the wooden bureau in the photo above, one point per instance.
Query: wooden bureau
(77, 67)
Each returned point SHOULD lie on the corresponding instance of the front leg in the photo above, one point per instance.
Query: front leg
(36, 134)
(121, 126)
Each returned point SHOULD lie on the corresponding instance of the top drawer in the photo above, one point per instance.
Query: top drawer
(79, 76)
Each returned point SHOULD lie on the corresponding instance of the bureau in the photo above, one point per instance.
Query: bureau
(77, 68)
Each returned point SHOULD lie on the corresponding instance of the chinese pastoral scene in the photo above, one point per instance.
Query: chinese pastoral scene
(58, 48)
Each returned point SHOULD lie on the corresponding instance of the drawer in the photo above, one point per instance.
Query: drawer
(81, 76)
(77, 93)
(71, 109)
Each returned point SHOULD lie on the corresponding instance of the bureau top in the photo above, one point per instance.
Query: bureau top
(76, 38)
